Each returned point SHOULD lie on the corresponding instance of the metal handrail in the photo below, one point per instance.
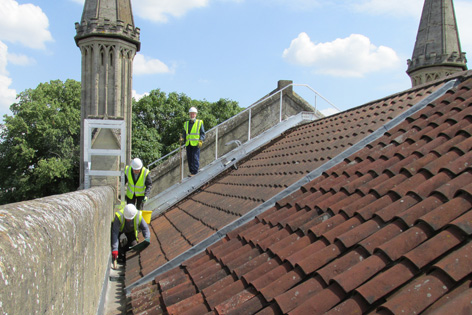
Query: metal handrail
(249, 108)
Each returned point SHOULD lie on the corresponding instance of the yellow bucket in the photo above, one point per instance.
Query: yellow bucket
(147, 216)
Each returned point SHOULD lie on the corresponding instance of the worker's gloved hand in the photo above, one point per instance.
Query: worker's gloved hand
(200, 142)
(181, 139)
(114, 254)
(145, 199)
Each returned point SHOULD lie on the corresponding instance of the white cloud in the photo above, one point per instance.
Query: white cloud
(297, 4)
(413, 8)
(162, 11)
(25, 23)
(137, 96)
(7, 95)
(146, 65)
(20, 60)
(464, 23)
(329, 111)
(408, 8)
(347, 57)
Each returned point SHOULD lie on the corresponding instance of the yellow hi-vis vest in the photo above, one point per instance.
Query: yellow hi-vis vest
(137, 221)
(139, 187)
(194, 135)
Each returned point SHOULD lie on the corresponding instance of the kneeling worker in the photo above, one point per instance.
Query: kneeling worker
(128, 221)
(139, 183)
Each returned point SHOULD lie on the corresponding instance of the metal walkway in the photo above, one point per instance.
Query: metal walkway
(169, 197)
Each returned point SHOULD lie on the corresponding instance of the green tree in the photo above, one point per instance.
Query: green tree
(39, 144)
(158, 121)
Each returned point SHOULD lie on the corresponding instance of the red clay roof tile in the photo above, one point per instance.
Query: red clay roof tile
(389, 212)
(321, 302)
(241, 270)
(457, 264)
(361, 272)
(186, 305)
(282, 284)
(299, 218)
(383, 235)
(387, 227)
(404, 242)
(357, 234)
(301, 254)
(216, 287)
(369, 211)
(239, 302)
(338, 206)
(386, 282)
(318, 259)
(433, 248)
(283, 243)
(354, 305)
(242, 258)
(424, 189)
(178, 293)
(299, 244)
(341, 264)
(261, 270)
(410, 216)
(298, 294)
(327, 225)
(464, 223)
(458, 300)
(204, 282)
(251, 306)
(225, 247)
(225, 293)
(332, 234)
(194, 270)
(262, 281)
(418, 295)
(173, 279)
(442, 215)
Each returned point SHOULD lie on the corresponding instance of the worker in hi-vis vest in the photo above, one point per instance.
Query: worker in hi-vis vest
(194, 135)
(124, 231)
(139, 183)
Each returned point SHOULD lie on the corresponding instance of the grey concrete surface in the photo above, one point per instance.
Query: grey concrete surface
(115, 300)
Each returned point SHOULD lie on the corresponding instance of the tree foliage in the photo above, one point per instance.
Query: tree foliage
(158, 121)
(40, 142)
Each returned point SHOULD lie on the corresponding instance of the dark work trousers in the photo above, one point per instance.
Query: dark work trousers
(137, 201)
(193, 159)
(126, 240)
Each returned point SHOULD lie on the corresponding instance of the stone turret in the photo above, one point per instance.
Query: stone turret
(108, 41)
(437, 51)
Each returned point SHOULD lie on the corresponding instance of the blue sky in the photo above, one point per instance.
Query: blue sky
(350, 51)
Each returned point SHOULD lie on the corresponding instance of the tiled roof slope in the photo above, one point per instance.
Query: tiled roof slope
(263, 175)
(385, 231)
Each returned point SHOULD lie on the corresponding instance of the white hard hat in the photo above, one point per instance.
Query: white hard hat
(136, 164)
(193, 110)
(130, 211)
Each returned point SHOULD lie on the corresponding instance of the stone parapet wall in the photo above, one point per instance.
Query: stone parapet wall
(54, 252)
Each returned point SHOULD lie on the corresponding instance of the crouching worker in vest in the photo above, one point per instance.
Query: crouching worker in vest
(124, 231)
(139, 183)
